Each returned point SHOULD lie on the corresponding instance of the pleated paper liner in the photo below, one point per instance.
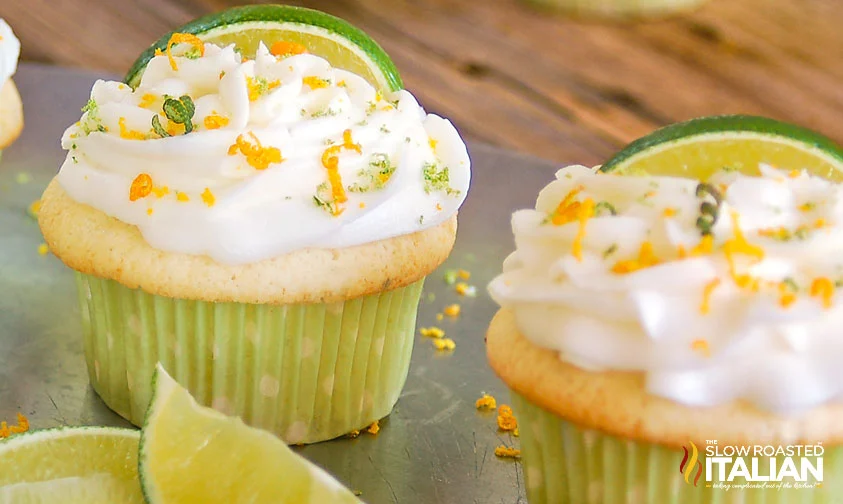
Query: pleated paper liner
(618, 9)
(565, 464)
(307, 372)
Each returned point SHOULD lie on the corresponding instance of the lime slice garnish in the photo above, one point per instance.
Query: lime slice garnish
(81, 465)
(700, 147)
(190, 453)
(343, 45)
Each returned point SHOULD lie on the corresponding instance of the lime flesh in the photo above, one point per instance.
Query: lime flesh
(84, 465)
(332, 38)
(190, 453)
(701, 147)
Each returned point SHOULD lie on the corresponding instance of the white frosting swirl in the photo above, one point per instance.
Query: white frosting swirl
(408, 170)
(9, 52)
(764, 326)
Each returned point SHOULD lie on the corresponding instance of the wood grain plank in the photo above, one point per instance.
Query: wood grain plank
(521, 78)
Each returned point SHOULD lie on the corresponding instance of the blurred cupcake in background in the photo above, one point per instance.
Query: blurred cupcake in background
(619, 9)
(11, 109)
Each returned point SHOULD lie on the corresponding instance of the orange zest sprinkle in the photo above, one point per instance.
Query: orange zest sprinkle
(258, 87)
(374, 428)
(681, 252)
(438, 206)
(645, 259)
(314, 82)
(775, 233)
(432, 332)
(566, 211)
(183, 197)
(444, 344)
(160, 191)
(585, 212)
(208, 197)
(362, 204)
(823, 288)
(452, 310)
(787, 296)
(506, 420)
(147, 100)
(7, 430)
(701, 346)
(187, 38)
(149, 211)
(819, 223)
(705, 307)
(433, 143)
(215, 121)
(257, 156)
(330, 161)
(285, 48)
(794, 173)
(486, 402)
(739, 245)
(464, 274)
(806, 207)
(669, 212)
(505, 452)
(141, 187)
(127, 133)
(43, 249)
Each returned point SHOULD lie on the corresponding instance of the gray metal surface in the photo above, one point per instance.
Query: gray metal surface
(434, 448)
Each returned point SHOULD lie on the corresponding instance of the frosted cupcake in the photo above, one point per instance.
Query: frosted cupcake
(650, 325)
(262, 228)
(11, 109)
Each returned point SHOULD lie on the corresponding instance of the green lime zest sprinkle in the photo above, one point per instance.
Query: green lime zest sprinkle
(376, 176)
(451, 276)
(192, 53)
(611, 250)
(604, 208)
(180, 111)
(90, 107)
(324, 198)
(791, 284)
(437, 179)
(90, 119)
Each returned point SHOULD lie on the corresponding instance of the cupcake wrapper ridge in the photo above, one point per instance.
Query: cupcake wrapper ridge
(566, 464)
(307, 372)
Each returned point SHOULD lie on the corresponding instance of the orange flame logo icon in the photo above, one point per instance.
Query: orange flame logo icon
(690, 463)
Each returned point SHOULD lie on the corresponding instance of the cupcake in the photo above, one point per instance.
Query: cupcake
(619, 8)
(262, 227)
(11, 109)
(672, 341)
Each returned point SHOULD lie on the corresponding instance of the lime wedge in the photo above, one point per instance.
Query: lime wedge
(343, 45)
(189, 453)
(83, 465)
(700, 147)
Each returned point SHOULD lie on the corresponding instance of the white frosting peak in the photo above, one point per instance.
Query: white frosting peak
(286, 153)
(750, 312)
(9, 52)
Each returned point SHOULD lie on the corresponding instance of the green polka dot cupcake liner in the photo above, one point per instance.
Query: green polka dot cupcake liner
(618, 8)
(306, 372)
(566, 464)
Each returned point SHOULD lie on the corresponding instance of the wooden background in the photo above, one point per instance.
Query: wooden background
(506, 74)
